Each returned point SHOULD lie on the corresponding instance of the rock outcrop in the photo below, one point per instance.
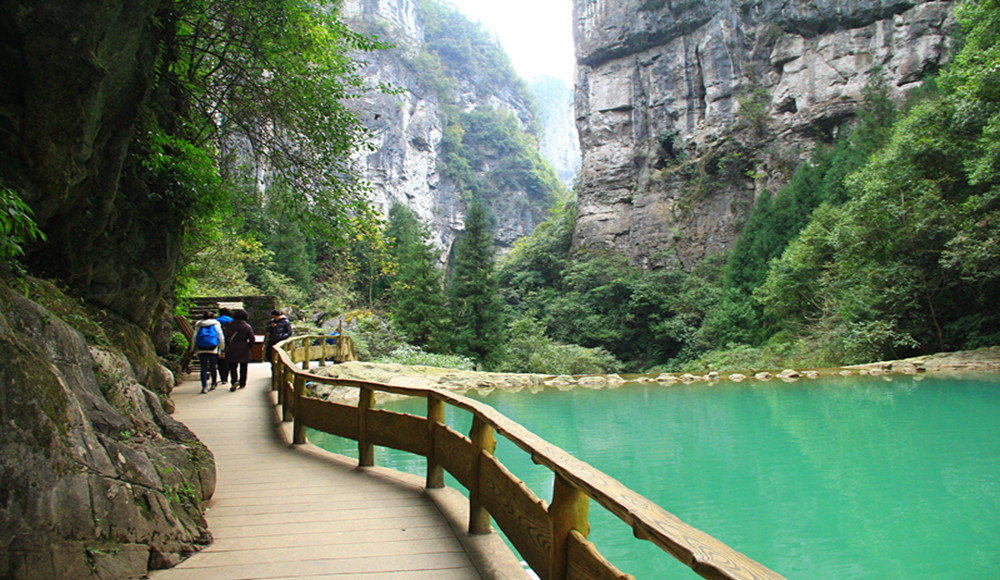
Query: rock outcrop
(687, 111)
(73, 80)
(96, 479)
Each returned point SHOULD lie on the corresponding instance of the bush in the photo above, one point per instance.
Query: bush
(406, 354)
(373, 336)
(530, 351)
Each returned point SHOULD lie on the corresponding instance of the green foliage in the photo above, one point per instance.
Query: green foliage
(466, 50)
(754, 111)
(488, 156)
(775, 220)
(530, 273)
(473, 293)
(418, 309)
(17, 225)
(410, 355)
(274, 76)
(908, 263)
(374, 337)
(530, 351)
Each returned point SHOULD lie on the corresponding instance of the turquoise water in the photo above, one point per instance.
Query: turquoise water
(841, 478)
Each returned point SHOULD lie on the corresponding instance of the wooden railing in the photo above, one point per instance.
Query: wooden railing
(552, 538)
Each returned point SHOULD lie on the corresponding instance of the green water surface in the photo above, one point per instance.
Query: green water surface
(840, 478)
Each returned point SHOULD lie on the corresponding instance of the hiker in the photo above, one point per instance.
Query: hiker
(224, 319)
(239, 342)
(209, 343)
(278, 330)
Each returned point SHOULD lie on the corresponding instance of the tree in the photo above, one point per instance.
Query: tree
(250, 119)
(473, 295)
(417, 294)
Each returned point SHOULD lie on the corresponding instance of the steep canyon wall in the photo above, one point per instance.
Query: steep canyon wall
(689, 110)
(408, 127)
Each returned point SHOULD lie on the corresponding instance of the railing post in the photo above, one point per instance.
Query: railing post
(568, 512)
(435, 415)
(366, 451)
(299, 429)
(483, 440)
(308, 348)
(285, 397)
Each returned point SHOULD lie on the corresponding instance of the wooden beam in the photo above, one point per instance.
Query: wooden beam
(435, 415)
(483, 441)
(299, 429)
(366, 451)
(568, 512)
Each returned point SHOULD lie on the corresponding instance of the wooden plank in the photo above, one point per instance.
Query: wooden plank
(283, 513)
(454, 452)
(586, 563)
(522, 516)
(401, 431)
(332, 418)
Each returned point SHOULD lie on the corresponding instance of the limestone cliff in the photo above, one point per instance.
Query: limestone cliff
(688, 110)
(410, 127)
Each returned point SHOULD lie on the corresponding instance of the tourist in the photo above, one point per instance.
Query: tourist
(224, 319)
(209, 342)
(278, 330)
(239, 342)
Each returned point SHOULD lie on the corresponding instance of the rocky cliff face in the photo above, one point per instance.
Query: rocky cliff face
(560, 144)
(73, 79)
(96, 479)
(688, 110)
(408, 127)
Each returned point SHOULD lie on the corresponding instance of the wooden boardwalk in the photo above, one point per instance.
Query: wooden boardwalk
(298, 512)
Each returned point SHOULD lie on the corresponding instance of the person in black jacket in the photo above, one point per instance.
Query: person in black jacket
(239, 342)
(278, 330)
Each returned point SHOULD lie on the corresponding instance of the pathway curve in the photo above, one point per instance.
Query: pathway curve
(292, 512)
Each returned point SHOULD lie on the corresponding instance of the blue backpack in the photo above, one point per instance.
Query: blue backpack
(207, 337)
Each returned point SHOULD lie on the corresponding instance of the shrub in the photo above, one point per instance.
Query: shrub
(406, 354)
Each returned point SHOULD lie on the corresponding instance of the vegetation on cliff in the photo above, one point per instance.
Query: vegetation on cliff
(878, 248)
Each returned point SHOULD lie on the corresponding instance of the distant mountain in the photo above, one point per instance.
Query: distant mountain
(560, 144)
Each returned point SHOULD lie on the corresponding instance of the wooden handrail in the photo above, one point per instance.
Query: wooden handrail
(552, 539)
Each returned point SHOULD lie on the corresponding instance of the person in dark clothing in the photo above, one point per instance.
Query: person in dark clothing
(239, 342)
(225, 317)
(278, 330)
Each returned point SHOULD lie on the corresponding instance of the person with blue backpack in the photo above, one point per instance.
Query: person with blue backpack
(209, 343)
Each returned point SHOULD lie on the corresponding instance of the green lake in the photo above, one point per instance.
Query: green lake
(837, 478)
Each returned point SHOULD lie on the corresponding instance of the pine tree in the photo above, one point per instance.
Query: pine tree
(474, 296)
(418, 298)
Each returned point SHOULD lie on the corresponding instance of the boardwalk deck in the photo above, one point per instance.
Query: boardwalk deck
(281, 512)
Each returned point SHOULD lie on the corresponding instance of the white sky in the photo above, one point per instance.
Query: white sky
(537, 34)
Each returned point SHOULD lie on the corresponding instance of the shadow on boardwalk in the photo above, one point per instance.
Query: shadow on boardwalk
(300, 512)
